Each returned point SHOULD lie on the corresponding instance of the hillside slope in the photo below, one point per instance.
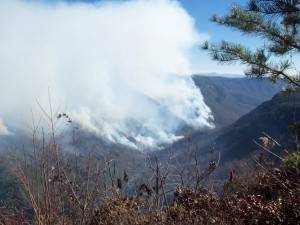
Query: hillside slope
(230, 98)
(273, 117)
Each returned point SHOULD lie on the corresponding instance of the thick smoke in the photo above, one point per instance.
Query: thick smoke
(3, 129)
(122, 69)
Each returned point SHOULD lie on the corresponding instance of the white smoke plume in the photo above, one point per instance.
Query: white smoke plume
(122, 68)
(3, 129)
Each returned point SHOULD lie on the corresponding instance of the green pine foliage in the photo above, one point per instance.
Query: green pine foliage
(277, 23)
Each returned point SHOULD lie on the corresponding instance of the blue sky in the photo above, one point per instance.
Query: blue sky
(202, 11)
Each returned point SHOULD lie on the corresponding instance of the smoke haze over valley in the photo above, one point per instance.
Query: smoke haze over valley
(121, 69)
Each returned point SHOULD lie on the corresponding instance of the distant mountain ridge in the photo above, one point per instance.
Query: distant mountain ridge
(230, 98)
(214, 74)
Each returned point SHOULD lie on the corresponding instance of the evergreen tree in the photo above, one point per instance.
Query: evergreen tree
(276, 22)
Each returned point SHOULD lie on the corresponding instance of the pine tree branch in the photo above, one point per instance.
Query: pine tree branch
(231, 53)
(276, 21)
(273, 7)
(253, 24)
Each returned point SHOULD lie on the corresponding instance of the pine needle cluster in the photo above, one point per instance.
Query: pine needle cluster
(277, 23)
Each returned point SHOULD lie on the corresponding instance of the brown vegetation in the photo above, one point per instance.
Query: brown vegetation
(69, 188)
